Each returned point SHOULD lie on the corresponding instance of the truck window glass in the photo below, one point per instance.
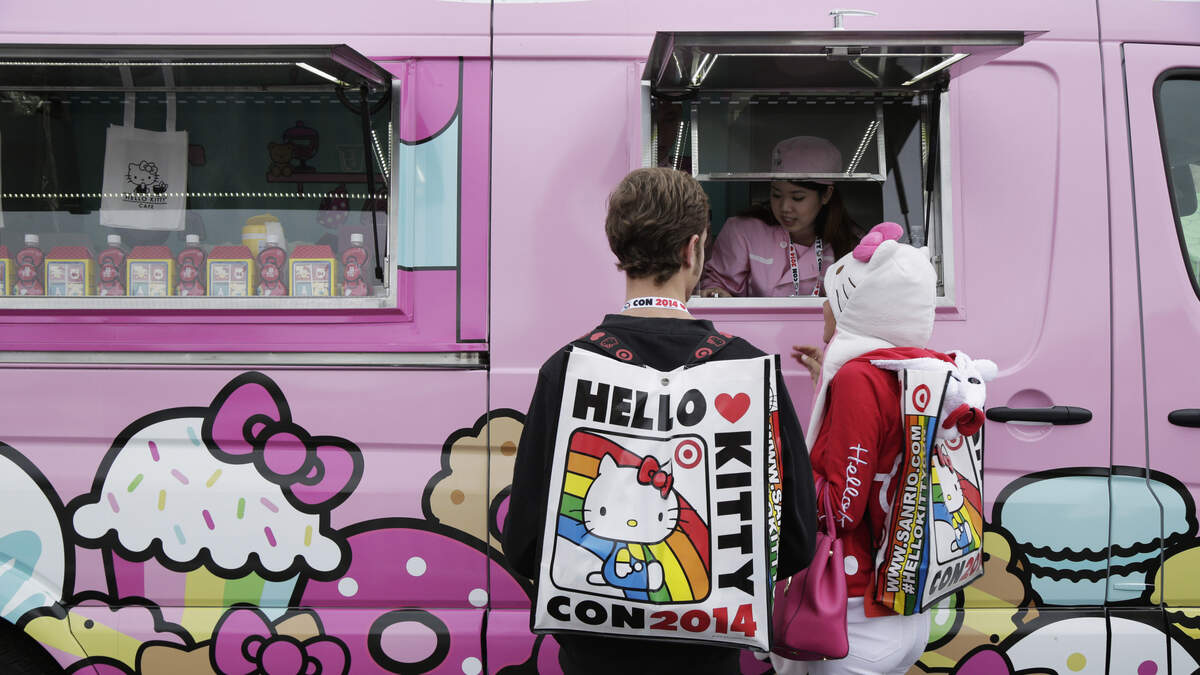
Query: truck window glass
(175, 185)
(1178, 99)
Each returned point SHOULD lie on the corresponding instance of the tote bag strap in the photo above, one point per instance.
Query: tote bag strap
(169, 81)
(130, 97)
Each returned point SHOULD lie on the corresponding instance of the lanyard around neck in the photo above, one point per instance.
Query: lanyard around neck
(654, 302)
(794, 263)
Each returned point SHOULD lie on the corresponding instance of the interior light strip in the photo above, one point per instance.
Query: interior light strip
(862, 146)
(320, 73)
(379, 154)
(706, 65)
(939, 67)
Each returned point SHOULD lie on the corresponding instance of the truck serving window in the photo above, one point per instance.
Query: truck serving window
(1178, 99)
(195, 178)
(804, 141)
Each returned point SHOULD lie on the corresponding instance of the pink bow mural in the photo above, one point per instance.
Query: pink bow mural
(250, 421)
(245, 642)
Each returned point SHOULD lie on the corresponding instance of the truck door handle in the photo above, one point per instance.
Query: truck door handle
(1059, 414)
(1185, 417)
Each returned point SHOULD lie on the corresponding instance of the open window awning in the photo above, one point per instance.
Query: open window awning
(681, 63)
(186, 68)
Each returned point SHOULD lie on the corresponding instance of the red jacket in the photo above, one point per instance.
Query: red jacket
(856, 451)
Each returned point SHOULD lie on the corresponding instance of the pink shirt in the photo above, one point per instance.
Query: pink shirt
(750, 259)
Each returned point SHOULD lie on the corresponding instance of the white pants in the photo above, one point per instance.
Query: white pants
(882, 645)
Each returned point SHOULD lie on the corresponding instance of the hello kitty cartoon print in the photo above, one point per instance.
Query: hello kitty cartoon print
(629, 506)
(663, 514)
(144, 178)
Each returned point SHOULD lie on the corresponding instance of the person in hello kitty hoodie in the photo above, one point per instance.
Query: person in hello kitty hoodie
(879, 312)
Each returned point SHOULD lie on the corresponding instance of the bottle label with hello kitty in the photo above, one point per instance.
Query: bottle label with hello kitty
(933, 538)
(664, 502)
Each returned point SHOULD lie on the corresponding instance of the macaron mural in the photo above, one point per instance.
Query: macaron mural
(1053, 520)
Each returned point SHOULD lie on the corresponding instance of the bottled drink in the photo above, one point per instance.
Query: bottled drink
(353, 259)
(29, 268)
(190, 263)
(112, 268)
(272, 261)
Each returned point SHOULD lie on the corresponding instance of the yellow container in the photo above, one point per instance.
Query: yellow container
(70, 272)
(313, 271)
(256, 229)
(6, 271)
(230, 272)
(149, 271)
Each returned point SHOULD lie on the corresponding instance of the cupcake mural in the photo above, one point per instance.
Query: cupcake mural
(1068, 553)
(210, 506)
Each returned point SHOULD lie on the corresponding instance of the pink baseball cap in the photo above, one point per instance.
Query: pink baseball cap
(806, 154)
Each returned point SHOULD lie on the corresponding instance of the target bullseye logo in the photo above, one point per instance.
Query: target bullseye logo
(921, 398)
(688, 454)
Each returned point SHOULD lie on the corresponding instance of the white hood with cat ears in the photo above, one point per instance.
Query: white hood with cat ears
(884, 289)
(883, 295)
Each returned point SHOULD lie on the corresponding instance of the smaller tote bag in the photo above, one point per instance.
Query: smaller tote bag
(145, 172)
(809, 615)
(933, 537)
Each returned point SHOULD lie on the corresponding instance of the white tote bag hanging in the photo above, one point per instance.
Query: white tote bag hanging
(145, 172)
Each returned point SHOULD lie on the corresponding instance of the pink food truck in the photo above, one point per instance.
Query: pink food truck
(277, 278)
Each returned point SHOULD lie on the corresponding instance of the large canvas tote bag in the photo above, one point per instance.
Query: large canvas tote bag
(933, 540)
(663, 511)
(145, 172)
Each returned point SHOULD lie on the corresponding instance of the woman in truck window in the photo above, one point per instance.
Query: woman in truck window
(784, 250)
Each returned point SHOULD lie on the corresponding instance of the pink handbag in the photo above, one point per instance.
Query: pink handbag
(809, 614)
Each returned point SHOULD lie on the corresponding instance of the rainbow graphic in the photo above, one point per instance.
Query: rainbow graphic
(684, 554)
(909, 549)
(967, 517)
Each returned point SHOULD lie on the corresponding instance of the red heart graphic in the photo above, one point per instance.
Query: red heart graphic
(733, 407)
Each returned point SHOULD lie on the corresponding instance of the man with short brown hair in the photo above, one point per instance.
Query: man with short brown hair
(657, 224)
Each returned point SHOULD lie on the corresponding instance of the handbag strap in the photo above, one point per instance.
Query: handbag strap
(826, 501)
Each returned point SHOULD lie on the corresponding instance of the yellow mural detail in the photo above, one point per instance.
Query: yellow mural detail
(999, 602)
(204, 595)
(54, 633)
(1182, 596)
(84, 636)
